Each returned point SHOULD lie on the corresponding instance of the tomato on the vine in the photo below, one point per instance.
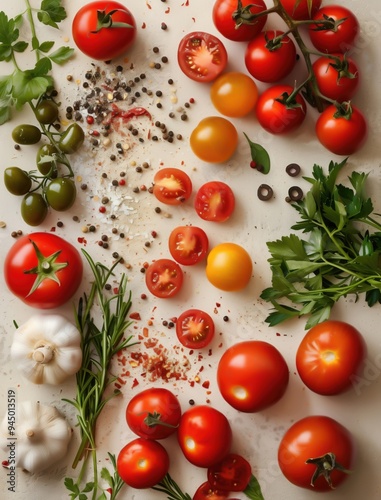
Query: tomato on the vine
(343, 130)
(204, 435)
(214, 139)
(301, 9)
(104, 29)
(234, 94)
(229, 267)
(252, 375)
(201, 56)
(142, 463)
(270, 56)
(164, 278)
(43, 270)
(195, 329)
(233, 21)
(278, 114)
(153, 413)
(214, 201)
(172, 186)
(206, 492)
(188, 245)
(316, 453)
(233, 473)
(342, 37)
(329, 357)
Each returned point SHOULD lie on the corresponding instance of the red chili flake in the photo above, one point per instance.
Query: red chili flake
(90, 120)
(126, 115)
(135, 315)
(148, 5)
(115, 290)
(168, 10)
(192, 100)
(82, 240)
(206, 384)
(277, 334)
(5, 463)
(218, 304)
(135, 383)
(117, 386)
(122, 182)
(109, 490)
(102, 209)
(153, 234)
(144, 26)
(53, 229)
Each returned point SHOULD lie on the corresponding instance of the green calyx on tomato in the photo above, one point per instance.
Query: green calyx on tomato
(105, 20)
(244, 15)
(324, 467)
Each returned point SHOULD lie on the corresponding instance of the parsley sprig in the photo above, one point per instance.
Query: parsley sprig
(341, 257)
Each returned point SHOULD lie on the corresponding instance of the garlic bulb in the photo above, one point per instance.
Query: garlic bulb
(40, 438)
(47, 349)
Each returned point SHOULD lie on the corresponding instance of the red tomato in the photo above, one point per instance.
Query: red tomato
(233, 473)
(214, 201)
(329, 356)
(153, 413)
(336, 79)
(252, 375)
(188, 245)
(342, 131)
(43, 270)
(340, 39)
(142, 463)
(314, 437)
(97, 33)
(301, 9)
(195, 329)
(201, 56)
(164, 278)
(205, 492)
(268, 60)
(232, 21)
(172, 186)
(214, 139)
(275, 114)
(204, 435)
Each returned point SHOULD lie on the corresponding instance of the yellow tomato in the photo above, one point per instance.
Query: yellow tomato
(234, 94)
(214, 140)
(229, 267)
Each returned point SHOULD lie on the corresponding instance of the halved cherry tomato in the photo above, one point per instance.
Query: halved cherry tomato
(172, 186)
(214, 201)
(202, 56)
(233, 473)
(214, 139)
(229, 267)
(206, 492)
(234, 94)
(195, 328)
(164, 278)
(188, 245)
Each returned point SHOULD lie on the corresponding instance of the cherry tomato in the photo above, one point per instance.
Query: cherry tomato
(201, 56)
(71, 139)
(214, 201)
(17, 181)
(204, 435)
(195, 329)
(164, 278)
(61, 193)
(340, 39)
(153, 413)
(343, 131)
(276, 114)
(233, 473)
(43, 270)
(301, 9)
(329, 357)
(314, 437)
(26, 134)
(234, 94)
(142, 463)
(229, 267)
(172, 186)
(269, 60)
(252, 375)
(34, 209)
(205, 492)
(232, 21)
(338, 79)
(104, 29)
(188, 245)
(214, 139)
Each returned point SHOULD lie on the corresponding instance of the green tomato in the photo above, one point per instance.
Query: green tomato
(72, 139)
(45, 167)
(26, 134)
(17, 181)
(61, 193)
(46, 112)
(34, 209)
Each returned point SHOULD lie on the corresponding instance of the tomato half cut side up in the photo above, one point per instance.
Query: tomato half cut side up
(233, 473)
(206, 492)
(201, 56)
(172, 186)
(188, 245)
(164, 278)
(195, 329)
(215, 201)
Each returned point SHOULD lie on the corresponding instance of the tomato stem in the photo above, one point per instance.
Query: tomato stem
(324, 467)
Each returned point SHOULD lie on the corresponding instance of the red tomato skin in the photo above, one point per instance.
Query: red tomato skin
(108, 43)
(298, 9)
(214, 201)
(233, 473)
(252, 375)
(225, 24)
(205, 492)
(155, 400)
(172, 186)
(173, 274)
(329, 356)
(49, 294)
(188, 245)
(195, 319)
(274, 116)
(266, 65)
(341, 136)
(204, 435)
(313, 437)
(142, 463)
(341, 40)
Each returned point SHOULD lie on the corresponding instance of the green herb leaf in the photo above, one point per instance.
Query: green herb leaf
(61, 55)
(253, 489)
(260, 156)
(51, 13)
(45, 47)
